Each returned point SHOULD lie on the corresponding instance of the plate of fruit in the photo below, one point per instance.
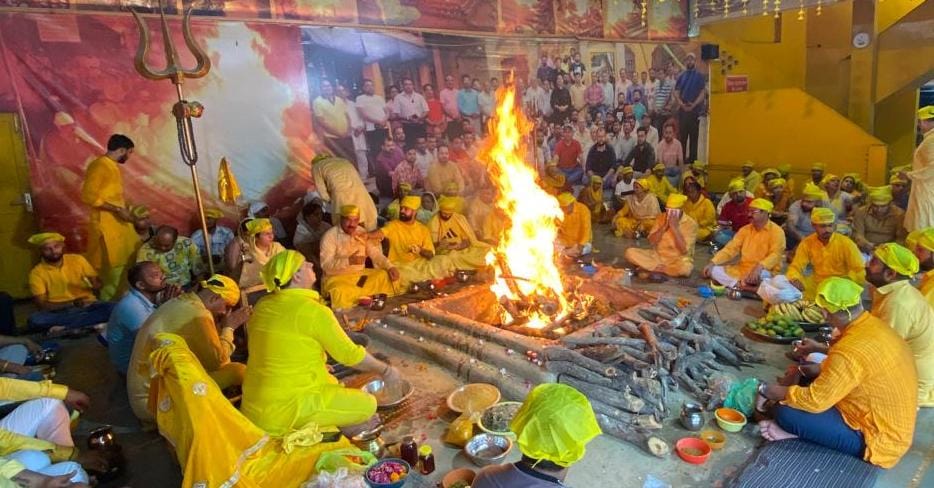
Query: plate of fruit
(388, 473)
(778, 329)
(807, 314)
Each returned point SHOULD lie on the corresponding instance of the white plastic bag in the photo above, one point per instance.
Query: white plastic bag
(338, 479)
(778, 289)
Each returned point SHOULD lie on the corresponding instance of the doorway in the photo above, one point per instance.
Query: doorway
(17, 220)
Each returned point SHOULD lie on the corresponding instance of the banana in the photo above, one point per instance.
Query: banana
(796, 314)
(813, 316)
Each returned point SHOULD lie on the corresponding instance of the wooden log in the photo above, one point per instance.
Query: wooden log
(558, 353)
(658, 312)
(604, 353)
(648, 389)
(620, 399)
(682, 335)
(638, 421)
(589, 341)
(621, 430)
(650, 340)
(512, 340)
(572, 369)
(632, 362)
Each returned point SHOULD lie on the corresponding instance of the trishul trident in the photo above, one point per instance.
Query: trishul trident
(182, 110)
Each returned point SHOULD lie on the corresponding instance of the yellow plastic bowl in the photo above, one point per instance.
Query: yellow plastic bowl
(718, 290)
(715, 439)
(476, 397)
(730, 420)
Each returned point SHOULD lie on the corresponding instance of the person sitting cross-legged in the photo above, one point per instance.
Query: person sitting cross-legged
(759, 247)
(878, 222)
(823, 254)
(454, 237)
(701, 209)
(672, 239)
(637, 216)
(411, 249)
(923, 247)
(864, 400)
(177, 255)
(63, 286)
(734, 215)
(575, 234)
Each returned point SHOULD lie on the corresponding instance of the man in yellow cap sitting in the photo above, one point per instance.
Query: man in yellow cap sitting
(221, 236)
(878, 222)
(784, 171)
(759, 247)
(700, 208)
(817, 173)
(196, 317)
(638, 213)
(625, 185)
(592, 197)
(672, 239)
(391, 212)
(896, 302)
(454, 237)
(920, 213)
(658, 184)
(751, 178)
(734, 215)
(575, 235)
(779, 197)
(698, 170)
(554, 180)
(344, 250)
(900, 191)
(762, 190)
(553, 427)
(453, 196)
(292, 333)
(923, 247)
(63, 287)
(864, 400)
(411, 248)
(176, 255)
(734, 183)
(823, 254)
(798, 225)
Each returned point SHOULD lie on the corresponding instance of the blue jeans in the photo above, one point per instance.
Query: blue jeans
(825, 429)
(574, 175)
(71, 317)
(723, 236)
(17, 354)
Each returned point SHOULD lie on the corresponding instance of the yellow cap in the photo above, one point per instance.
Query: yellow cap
(771, 171)
(828, 178)
(818, 166)
(350, 211)
(280, 269)
(835, 294)
(658, 167)
(142, 211)
(213, 213)
(405, 186)
(447, 204)
(784, 168)
(554, 424)
(626, 170)
(451, 187)
(813, 192)
(736, 184)
(596, 179)
(43, 237)
(822, 216)
(762, 204)
(643, 182)
(881, 195)
(257, 226)
(897, 180)
(676, 200)
(748, 164)
(777, 182)
(699, 165)
(911, 240)
(926, 113)
(566, 199)
(925, 239)
(899, 258)
(223, 286)
(411, 202)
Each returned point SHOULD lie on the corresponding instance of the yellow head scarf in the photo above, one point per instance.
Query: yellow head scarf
(626, 170)
(828, 178)
(817, 166)
(658, 167)
(762, 204)
(224, 287)
(854, 176)
(899, 258)
(676, 200)
(771, 171)
(405, 187)
(698, 165)
(822, 216)
(784, 169)
(813, 192)
(213, 213)
(596, 179)
(736, 184)
(897, 180)
(566, 199)
(777, 182)
(643, 183)
(350, 211)
(451, 187)
(926, 113)
(925, 239)
(280, 269)
(554, 424)
(881, 195)
(411, 202)
(257, 226)
(835, 294)
(447, 204)
(748, 164)
(43, 237)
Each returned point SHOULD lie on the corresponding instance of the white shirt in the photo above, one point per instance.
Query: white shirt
(623, 187)
(422, 161)
(622, 146)
(408, 105)
(485, 100)
(356, 122)
(372, 107)
(608, 94)
(651, 137)
(621, 87)
(535, 98)
(648, 98)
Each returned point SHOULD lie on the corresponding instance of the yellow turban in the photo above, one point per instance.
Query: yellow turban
(926, 113)
(257, 226)
(881, 195)
(899, 258)
(925, 239)
(911, 240)
(280, 269)
(835, 294)
(566, 199)
(897, 180)
(777, 182)
(817, 166)
(784, 169)
(405, 187)
(828, 178)
(762, 204)
(644, 183)
(447, 204)
(350, 211)
(43, 237)
(451, 187)
(551, 163)
(213, 213)
(411, 202)
(626, 170)
(737, 184)
(813, 192)
(771, 171)
(554, 424)
(676, 200)
(698, 165)
(658, 167)
(748, 164)
(822, 216)
(139, 211)
(596, 179)
(224, 287)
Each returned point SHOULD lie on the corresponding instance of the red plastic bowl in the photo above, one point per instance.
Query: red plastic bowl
(693, 450)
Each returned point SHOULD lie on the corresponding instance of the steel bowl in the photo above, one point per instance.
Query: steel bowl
(463, 275)
(391, 396)
(101, 438)
(692, 416)
(734, 293)
(486, 449)
(379, 302)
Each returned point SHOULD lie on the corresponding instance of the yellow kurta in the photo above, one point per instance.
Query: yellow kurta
(661, 187)
(439, 175)
(665, 253)
(575, 229)
(111, 241)
(927, 287)
(403, 239)
(494, 225)
(186, 317)
(287, 384)
(703, 213)
(753, 246)
(477, 211)
(790, 186)
(636, 215)
(840, 257)
(454, 231)
(12, 390)
(338, 182)
(250, 280)
(920, 212)
(870, 378)
(593, 199)
(213, 442)
(905, 309)
(341, 279)
(752, 181)
(65, 283)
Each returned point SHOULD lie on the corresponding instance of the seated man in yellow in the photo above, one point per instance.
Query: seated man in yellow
(453, 237)
(779, 197)
(923, 247)
(658, 183)
(575, 236)
(494, 225)
(177, 255)
(784, 171)
(763, 190)
(454, 198)
(672, 240)
(638, 212)
(344, 250)
(878, 222)
(905, 309)
(411, 249)
(63, 287)
(823, 254)
(193, 316)
(391, 212)
(479, 207)
(287, 386)
(698, 171)
(751, 178)
(759, 246)
(554, 181)
(700, 208)
(592, 197)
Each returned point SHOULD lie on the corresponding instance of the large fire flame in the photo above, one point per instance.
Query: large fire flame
(524, 259)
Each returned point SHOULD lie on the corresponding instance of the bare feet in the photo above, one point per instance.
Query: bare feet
(772, 432)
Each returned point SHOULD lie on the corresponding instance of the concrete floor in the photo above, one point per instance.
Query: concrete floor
(609, 462)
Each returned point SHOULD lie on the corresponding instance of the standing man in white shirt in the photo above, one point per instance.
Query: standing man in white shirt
(423, 157)
(625, 141)
(375, 115)
(651, 133)
(448, 97)
(609, 92)
(412, 109)
(357, 132)
(623, 84)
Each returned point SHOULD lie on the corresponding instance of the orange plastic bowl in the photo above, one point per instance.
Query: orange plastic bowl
(730, 420)
(715, 439)
(693, 450)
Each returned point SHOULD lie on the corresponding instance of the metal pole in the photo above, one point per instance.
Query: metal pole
(198, 201)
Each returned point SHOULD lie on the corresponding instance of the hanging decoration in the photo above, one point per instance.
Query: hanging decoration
(765, 7)
(778, 8)
(644, 11)
(800, 9)
(820, 7)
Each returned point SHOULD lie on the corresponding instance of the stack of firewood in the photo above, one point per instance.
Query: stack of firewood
(628, 363)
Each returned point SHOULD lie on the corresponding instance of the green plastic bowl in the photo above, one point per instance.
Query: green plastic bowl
(730, 420)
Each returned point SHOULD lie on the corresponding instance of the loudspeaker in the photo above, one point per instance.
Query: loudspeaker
(709, 51)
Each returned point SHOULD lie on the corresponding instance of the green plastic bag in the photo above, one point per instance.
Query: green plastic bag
(742, 396)
(354, 460)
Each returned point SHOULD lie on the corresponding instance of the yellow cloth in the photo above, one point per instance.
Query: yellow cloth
(907, 311)
(840, 257)
(835, 294)
(213, 442)
(660, 186)
(753, 246)
(213, 213)
(927, 287)
(411, 202)
(338, 181)
(43, 237)
(477, 212)
(636, 215)
(287, 384)
(454, 231)
(8, 470)
(870, 378)
(111, 241)
(822, 215)
(762, 204)
(227, 187)
(331, 117)
(186, 317)
(752, 181)
(593, 199)
(920, 211)
(281, 268)
(566, 199)
(554, 183)
(12, 390)
(392, 210)
(897, 257)
(675, 200)
(251, 272)
(350, 211)
(341, 277)
(704, 214)
(814, 192)
(439, 175)
(665, 253)
(494, 225)
(455, 204)
(404, 238)
(555, 423)
(224, 287)
(65, 283)
(258, 226)
(575, 228)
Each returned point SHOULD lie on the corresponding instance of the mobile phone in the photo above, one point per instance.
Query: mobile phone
(362, 281)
